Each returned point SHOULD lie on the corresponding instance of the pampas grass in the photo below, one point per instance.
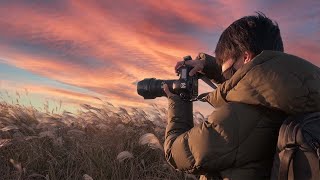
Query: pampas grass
(151, 140)
(95, 143)
(124, 155)
(87, 177)
(9, 128)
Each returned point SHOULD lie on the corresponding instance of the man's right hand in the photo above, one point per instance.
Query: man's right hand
(197, 65)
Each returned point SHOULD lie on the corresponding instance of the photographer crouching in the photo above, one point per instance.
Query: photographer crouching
(258, 87)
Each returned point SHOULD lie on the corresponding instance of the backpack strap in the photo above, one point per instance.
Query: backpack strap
(285, 161)
(290, 148)
(288, 142)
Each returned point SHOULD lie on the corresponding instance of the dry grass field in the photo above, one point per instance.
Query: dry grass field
(95, 143)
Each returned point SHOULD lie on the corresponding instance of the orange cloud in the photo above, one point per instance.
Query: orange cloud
(107, 46)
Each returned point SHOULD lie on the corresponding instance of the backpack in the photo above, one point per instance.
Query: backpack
(297, 156)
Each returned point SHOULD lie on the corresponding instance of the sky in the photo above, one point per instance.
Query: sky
(73, 52)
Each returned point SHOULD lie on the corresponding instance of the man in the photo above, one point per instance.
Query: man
(259, 87)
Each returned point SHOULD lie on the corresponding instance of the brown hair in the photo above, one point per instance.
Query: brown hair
(250, 33)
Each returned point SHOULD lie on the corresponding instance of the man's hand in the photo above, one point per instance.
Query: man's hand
(197, 65)
(167, 91)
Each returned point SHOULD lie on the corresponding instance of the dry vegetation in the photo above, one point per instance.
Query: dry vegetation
(95, 143)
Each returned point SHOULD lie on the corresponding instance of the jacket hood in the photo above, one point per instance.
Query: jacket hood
(273, 79)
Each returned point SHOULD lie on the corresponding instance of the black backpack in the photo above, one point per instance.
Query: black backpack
(297, 156)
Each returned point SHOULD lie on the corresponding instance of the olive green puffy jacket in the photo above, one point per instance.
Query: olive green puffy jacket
(238, 141)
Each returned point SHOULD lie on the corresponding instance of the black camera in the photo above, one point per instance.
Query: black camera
(186, 86)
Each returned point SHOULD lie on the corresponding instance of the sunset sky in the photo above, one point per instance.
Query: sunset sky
(85, 51)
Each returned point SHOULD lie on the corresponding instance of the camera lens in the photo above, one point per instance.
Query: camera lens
(151, 88)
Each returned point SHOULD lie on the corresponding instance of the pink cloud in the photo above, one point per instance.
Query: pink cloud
(107, 46)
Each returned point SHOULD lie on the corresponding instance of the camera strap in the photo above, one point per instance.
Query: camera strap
(202, 97)
(207, 81)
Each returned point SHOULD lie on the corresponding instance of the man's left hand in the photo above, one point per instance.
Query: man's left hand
(167, 91)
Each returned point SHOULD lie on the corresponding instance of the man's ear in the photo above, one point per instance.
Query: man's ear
(247, 56)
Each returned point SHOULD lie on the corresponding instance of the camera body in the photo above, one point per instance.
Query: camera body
(186, 86)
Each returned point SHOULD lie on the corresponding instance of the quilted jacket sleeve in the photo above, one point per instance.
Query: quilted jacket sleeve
(207, 147)
(217, 97)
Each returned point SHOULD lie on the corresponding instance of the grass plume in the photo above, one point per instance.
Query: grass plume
(96, 143)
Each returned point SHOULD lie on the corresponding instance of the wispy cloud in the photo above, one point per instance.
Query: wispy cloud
(107, 46)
